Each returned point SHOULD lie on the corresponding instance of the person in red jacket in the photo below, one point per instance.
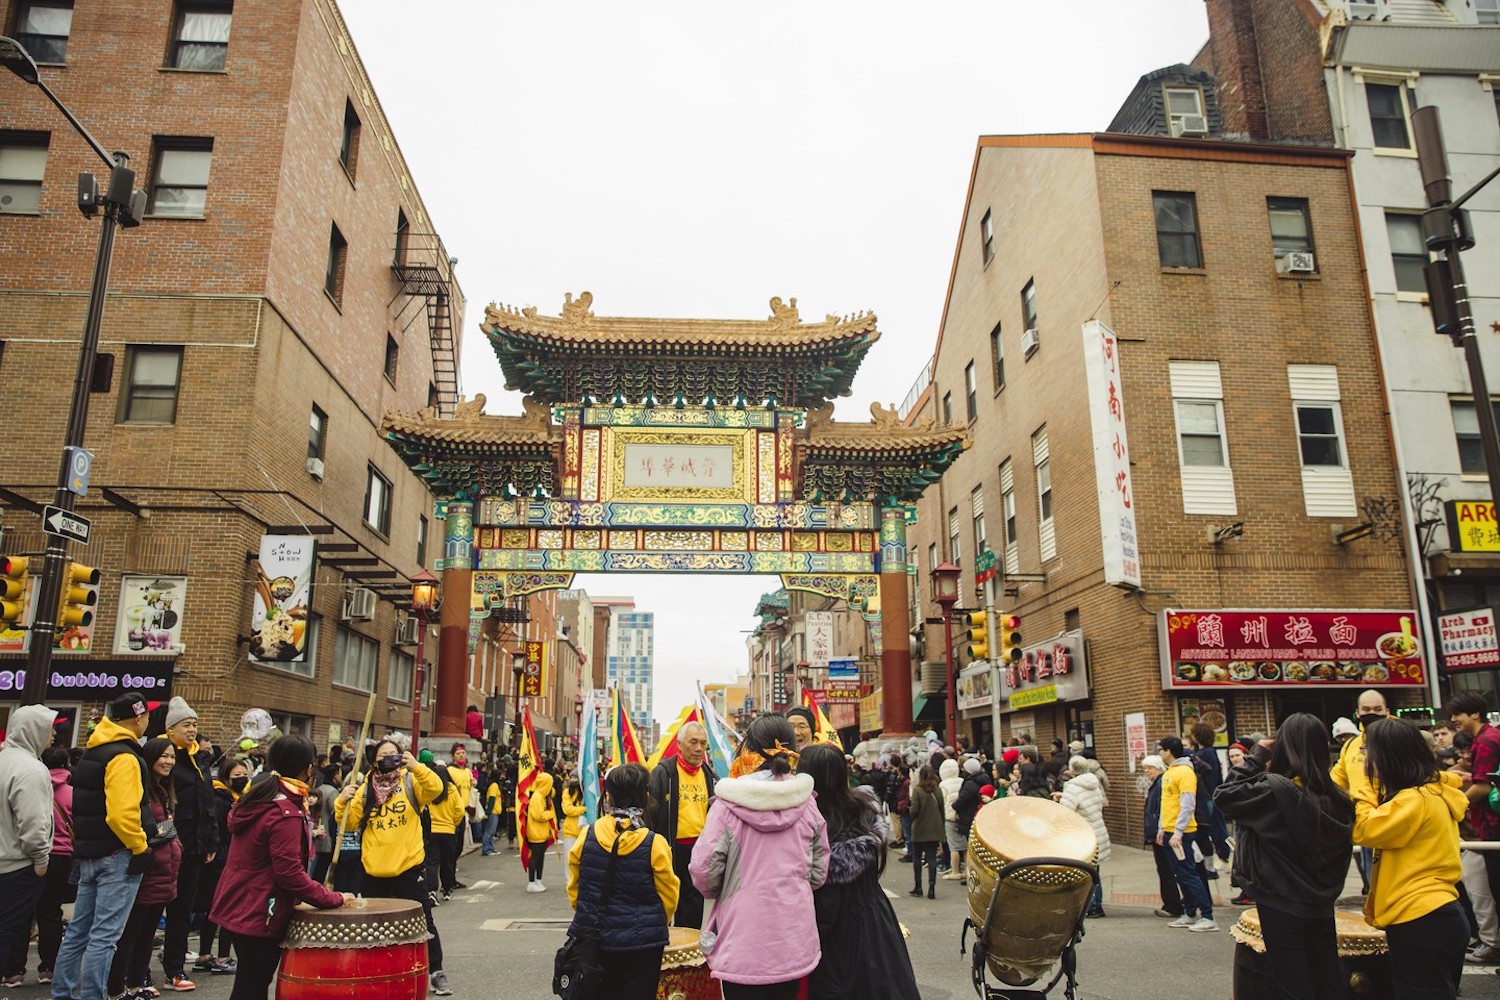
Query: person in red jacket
(130, 972)
(266, 875)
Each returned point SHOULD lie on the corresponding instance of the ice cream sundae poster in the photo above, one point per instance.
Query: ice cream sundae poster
(151, 613)
(283, 580)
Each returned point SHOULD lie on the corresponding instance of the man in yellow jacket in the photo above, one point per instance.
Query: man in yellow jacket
(1349, 770)
(449, 816)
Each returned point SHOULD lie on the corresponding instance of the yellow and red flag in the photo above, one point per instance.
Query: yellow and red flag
(823, 731)
(624, 747)
(666, 749)
(528, 766)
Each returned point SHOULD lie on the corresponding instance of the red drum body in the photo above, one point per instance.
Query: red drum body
(1363, 958)
(377, 951)
(684, 971)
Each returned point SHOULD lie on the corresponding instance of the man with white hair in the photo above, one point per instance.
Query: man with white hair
(682, 786)
(1152, 769)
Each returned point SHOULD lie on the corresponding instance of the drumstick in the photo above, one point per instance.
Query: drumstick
(359, 758)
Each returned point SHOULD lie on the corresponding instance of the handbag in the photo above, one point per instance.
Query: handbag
(577, 973)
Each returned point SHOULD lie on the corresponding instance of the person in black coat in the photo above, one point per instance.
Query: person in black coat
(966, 804)
(1153, 767)
(689, 774)
(197, 828)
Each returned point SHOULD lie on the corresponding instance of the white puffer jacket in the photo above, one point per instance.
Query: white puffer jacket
(950, 784)
(1085, 795)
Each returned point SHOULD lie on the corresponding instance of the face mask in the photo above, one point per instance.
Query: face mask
(388, 763)
(1369, 719)
(238, 784)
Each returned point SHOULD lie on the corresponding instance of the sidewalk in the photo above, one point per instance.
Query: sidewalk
(1129, 879)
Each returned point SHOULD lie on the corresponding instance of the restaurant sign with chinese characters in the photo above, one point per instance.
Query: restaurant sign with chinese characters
(1101, 361)
(1289, 649)
(534, 670)
(1055, 670)
(1471, 526)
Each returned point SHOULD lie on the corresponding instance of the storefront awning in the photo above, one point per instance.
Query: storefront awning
(933, 709)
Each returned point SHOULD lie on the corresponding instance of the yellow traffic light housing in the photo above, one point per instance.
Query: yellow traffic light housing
(1008, 626)
(80, 592)
(978, 638)
(13, 571)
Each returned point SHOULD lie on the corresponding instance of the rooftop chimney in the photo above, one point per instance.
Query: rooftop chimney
(1236, 60)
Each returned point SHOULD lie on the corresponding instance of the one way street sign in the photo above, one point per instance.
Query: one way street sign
(56, 521)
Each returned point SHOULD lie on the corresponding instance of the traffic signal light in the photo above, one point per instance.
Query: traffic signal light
(1009, 626)
(12, 591)
(80, 592)
(978, 637)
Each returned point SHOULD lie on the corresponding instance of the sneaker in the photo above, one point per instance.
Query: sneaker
(203, 964)
(1183, 921)
(1242, 900)
(531, 887)
(17, 980)
(223, 967)
(539, 886)
(438, 983)
(953, 877)
(1165, 913)
(1203, 924)
(447, 895)
(191, 956)
(180, 983)
(459, 885)
(43, 976)
(1484, 955)
(904, 857)
(915, 892)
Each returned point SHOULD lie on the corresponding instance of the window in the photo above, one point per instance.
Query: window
(947, 407)
(354, 658)
(932, 555)
(338, 253)
(403, 668)
(1176, 229)
(1487, 11)
(1319, 434)
(1008, 502)
(1408, 252)
(377, 501)
(403, 236)
(1327, 485)
(309, 665)
(1466, 432)
(1028, 306)
(1388, 113)
(1202, 448)
(955, 552)
(997, 357)
(1181, 102)
(349, 146)
(179, 178)
(200, 39)
(1041, 458)
(43, 29)
(23, 159)
(1199, 432)
(987, 235)
(421, 539)
(976, 511)
(1291, 232)
(433, 399)
(292, 724)
(317, 433)
(971, 392)
(149, 393)
(392, 358)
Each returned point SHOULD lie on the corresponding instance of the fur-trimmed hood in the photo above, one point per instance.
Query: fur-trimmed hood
(763, 801)
(852, 857)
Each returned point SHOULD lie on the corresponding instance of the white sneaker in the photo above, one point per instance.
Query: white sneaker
(531, 887)
(1183, 921)
(1203, 924)
(539, 886)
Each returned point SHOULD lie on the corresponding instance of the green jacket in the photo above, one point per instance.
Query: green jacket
(926, 814)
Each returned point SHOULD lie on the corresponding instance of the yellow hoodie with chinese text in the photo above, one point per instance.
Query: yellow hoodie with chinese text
(392, 841)
(1415, 836)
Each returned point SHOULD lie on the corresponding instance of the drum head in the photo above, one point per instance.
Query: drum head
(683, 950)
(1022, 826)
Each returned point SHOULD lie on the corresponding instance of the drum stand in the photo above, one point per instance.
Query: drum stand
(1067, 964)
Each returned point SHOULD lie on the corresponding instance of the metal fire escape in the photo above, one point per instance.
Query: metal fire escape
(425, 271)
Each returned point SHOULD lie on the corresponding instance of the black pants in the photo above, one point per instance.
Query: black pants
(689, 900)
(538, 857)
(923, 852)
(411, 884)
(632, 975)
(180, 914)
(49, 914)
(349, 873)
(1427, 954)
(20, 889)
(771, 991)
(1302, 953)
(320, 866)
(259, 958)
(1171, 896)
(132, 961)
(448, 847)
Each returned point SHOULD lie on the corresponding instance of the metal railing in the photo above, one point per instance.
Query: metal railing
(918, 387)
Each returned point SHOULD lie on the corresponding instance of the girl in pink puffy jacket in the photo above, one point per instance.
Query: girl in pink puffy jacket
(763, 850)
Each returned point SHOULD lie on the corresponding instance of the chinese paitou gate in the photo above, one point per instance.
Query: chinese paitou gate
(673, 446)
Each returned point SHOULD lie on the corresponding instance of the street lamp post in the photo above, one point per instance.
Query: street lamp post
(424, 601)
(517, 667)
(945, 593)
(123, 206)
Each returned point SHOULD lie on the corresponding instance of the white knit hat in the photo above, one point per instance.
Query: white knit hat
(1344, 727)
(1153, 761)
(178, 710)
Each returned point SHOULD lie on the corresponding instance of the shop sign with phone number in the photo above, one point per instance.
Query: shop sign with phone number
(1290, 648)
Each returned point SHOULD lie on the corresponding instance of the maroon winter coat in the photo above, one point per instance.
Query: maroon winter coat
(159, 886)
(266, 873)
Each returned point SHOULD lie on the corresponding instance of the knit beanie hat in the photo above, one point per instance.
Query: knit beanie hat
(426, 757)
(1010, 756)
(179, 710)
(972, 766)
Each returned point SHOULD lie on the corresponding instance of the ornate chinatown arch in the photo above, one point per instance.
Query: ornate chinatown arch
(673, 446)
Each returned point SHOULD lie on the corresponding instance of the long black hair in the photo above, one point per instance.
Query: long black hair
(763, 734)
(162, 789)
(848, 815)
(1397, 754)
(289, 757)
(1301, 752)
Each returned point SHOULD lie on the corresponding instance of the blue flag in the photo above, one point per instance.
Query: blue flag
(722, 739)
(588, 760)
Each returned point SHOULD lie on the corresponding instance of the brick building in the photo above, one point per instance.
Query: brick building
(286, 289)
(1105, 282)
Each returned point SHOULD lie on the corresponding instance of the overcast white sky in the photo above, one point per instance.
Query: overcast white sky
(695, 159)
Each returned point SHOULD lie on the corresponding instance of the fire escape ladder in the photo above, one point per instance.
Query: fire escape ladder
(424, 270)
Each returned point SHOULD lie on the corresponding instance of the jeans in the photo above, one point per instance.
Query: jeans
(487, 837)
(106, 892)
(1171, 896)
(259, 958)
(179, 915)
(20, 889)
(906, 832)
(1427, 954)
(1195, 898)
(1302, 953)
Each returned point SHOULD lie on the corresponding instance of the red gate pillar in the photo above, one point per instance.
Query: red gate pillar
(895, 626)
(453, 631)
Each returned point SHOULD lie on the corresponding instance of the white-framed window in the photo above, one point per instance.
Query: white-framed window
(955, 552)
(1041, 459)
(1028, 305)
(1327, 483)
(309, 665)
(1466, 436)
(1487, 11)
(293, 724)
(179, 178)
(1008, 517)
(403, 669)
(1389, 102)
(200, 36)
(976, 512)
(354, 659)
(987, 236)
(932, 555)
(1291, 228)
(23, 161)
(149, 392)
(377, 501)
(1202, 445)
(971, 392)
(1408, 252)
(947, 407)
(1181, 102)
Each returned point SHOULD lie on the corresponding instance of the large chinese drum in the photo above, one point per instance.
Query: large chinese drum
(374, 951)
(1036, 909)
(1363, 957)
(684, 972)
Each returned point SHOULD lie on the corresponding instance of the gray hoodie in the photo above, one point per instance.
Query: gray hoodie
(26, 790)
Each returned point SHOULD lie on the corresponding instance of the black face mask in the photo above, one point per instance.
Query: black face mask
(388, 763)
(1369, 719)
(238, 784)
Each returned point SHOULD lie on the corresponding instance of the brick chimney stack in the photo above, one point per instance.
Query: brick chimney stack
(1236, 63)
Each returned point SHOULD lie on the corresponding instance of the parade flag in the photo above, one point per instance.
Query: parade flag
(667, 748)
(528, 765)
(624, 747)
(722, 739)
(823, 732)
(588, 760)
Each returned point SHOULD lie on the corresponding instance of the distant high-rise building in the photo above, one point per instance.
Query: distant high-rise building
(630, 656)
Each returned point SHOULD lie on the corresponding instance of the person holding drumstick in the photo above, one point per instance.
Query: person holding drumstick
(266, 874)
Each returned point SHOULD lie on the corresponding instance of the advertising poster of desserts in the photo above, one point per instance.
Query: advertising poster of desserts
(283, 582)
(151, 611)
(1290, 649)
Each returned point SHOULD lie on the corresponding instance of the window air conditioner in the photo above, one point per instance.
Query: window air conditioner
(1298, 262)
(359, 605)
(1030, 341)
(1189, 126)
(406, 631)
(315, 468)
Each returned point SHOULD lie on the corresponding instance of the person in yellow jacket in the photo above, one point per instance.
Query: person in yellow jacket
(493, 797)
(1410, 818)
(540, 829)
(449, 817)
(573, 810)
(386, 810)
(1348, 771)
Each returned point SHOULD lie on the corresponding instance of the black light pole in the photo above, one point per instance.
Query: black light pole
(122, 206)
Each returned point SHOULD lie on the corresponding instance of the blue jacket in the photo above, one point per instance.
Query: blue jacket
(644, 892)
